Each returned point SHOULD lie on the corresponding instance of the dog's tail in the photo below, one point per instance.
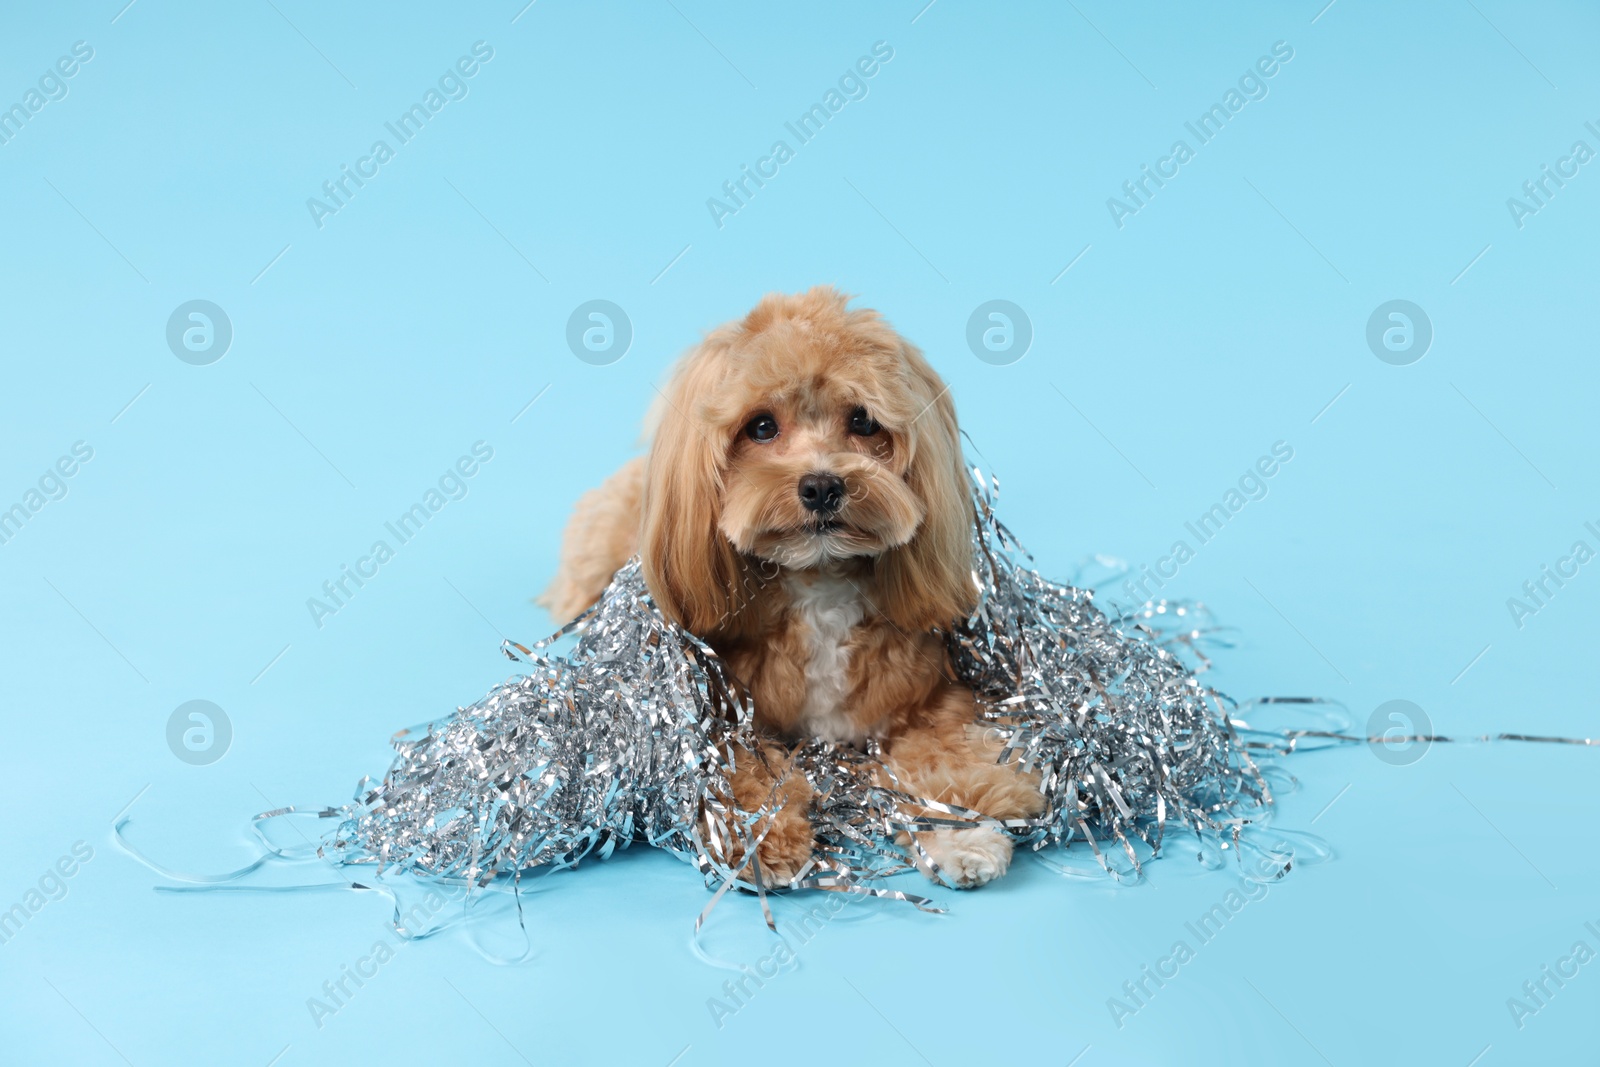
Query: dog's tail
(601, 536)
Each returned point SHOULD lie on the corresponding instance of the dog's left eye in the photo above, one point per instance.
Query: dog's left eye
(761, 428)
(862, 424)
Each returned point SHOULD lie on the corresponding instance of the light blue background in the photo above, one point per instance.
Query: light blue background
(1226, 315)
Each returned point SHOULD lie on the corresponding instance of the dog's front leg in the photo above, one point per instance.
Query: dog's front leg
(786, 835)
(944, 758)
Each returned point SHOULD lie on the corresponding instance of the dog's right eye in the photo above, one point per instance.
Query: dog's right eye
(761, 428)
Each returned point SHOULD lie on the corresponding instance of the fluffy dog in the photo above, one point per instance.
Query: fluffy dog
(804, 509)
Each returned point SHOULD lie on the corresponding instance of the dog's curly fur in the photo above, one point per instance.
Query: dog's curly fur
(804, 509)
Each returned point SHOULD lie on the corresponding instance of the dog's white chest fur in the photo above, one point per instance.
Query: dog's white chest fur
(828, 607)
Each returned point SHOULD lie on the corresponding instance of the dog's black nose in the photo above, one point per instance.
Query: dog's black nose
(822, 492)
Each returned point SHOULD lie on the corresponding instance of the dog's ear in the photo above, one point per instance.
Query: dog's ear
(696, 576)
(928, 581)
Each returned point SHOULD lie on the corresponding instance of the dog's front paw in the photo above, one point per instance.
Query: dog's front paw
(968, 858)
(784, 851)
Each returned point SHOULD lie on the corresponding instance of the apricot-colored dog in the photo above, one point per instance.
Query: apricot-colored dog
(804, 510)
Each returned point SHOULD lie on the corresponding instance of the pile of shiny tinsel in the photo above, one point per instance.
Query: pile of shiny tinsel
(630, 738)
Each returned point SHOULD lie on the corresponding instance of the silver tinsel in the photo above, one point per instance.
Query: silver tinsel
(630, 737)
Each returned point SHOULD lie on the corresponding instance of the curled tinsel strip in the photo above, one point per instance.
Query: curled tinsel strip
(620, 741)
(632, 736)
(1128, 738)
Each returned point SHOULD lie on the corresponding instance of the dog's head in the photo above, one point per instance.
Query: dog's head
(806, 434)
